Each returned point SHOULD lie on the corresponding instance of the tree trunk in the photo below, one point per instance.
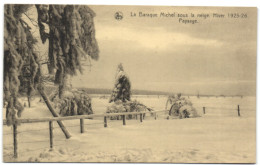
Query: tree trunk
(10, 111)
(46, 100)
(63, 86)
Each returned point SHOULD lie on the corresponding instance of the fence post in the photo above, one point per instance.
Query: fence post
(141, 117)
(238, 110)
(204, 110)
(81, 125)
(123, 116)
(105, 121)
(15, 140)
(51, 134)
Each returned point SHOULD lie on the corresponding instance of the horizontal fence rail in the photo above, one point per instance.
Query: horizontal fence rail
(47, 119)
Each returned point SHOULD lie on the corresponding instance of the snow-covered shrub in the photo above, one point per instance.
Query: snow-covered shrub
(181, 107)
(74, 102)
(128, 106)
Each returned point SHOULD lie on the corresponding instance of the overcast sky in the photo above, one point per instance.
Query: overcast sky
(215, 56)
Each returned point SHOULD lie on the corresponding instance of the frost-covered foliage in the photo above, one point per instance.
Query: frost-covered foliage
(128, 106)
(74, 102)
(18, 52)
(181, 107)
(71, 38)
(122, 88)
(121, 96)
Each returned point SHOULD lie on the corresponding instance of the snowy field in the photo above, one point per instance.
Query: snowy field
(219, 136)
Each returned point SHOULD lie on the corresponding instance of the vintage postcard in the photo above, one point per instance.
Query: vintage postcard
(147, 84)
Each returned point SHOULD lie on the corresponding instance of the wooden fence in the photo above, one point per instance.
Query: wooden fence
(82, 117)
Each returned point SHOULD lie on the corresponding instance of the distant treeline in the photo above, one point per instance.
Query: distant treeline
(134, 91)
(217, 95)
(49, 89)
(146, 92)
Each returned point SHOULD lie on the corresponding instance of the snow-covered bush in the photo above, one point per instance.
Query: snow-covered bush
(74, 102)
(128, 106)
(181, 107)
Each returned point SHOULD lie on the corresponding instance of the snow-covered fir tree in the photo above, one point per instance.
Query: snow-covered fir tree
(122, 88)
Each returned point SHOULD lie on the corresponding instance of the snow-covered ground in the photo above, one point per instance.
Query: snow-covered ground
(219, 136)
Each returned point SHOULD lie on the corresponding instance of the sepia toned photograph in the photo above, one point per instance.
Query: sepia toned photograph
(129, 84)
